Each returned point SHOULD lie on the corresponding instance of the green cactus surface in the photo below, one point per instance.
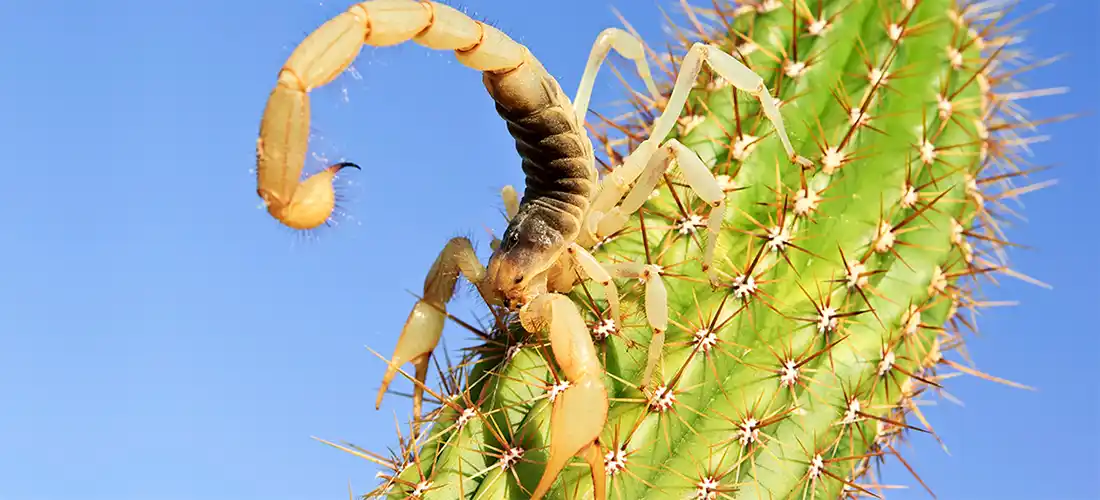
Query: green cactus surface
(845, 287)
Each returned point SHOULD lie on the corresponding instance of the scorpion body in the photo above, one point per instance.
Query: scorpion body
(565, 206)
(561, 179)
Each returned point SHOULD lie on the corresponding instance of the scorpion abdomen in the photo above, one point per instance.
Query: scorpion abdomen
(556, 152)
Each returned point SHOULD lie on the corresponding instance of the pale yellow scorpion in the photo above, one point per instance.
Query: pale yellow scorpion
(565, 208)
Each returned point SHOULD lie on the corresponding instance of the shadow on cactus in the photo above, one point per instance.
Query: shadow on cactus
(743, 294)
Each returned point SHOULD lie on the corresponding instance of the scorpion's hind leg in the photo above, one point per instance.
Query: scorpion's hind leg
(627, 46)
(580, 411)
(425, 324)
(737, 74)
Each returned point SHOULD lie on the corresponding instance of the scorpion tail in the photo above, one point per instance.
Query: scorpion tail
(328, 52)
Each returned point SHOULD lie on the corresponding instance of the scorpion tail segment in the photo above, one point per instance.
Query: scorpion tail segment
(310, 204)
(281, 150)
(324, 55)
(578, 417)
(284, 129)
(418, 339)
(313, 201)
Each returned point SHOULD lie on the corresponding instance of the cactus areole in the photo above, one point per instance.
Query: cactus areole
(839, 288)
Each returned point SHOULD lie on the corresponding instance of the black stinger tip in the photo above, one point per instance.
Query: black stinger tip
(345, 164)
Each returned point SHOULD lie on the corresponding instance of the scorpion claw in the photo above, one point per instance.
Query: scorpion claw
(424, 326)
(418, 339)
(578, 417)
(580, 411)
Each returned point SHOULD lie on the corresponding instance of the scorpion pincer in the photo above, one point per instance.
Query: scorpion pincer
(565, 207)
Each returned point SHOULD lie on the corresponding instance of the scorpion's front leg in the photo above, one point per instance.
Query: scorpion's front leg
(580, 411)
(425, 323)
(510, 198)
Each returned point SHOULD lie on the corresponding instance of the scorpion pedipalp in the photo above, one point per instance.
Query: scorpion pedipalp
(424, 326)
(580, 411)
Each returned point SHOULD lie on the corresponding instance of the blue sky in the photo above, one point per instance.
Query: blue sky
(163, 339)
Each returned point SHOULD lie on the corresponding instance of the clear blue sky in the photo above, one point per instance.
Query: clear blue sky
(162, 339)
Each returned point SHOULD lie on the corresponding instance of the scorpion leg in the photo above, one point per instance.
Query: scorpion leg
(615, 184)
(595, 271)
(739, 75)
(648, 160)
(604, 218)
(699, 178)
(511, 201)
(511, 207)
(656, 309)
(580, 411)
(627, 46)
(425, 323)
(702, 181)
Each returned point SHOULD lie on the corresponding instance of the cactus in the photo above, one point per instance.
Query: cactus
(843, 285)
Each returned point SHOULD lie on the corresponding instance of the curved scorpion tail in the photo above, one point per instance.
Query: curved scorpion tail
(324, 55)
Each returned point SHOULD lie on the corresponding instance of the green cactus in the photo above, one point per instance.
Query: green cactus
(842, 283)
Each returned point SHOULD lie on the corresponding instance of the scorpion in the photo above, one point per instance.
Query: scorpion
(565, 209)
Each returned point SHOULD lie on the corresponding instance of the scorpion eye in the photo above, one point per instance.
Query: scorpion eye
(511, 239)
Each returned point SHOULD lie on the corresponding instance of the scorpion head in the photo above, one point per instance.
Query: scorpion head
(517, 269)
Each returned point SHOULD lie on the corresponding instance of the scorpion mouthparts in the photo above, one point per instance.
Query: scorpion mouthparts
(512, 304)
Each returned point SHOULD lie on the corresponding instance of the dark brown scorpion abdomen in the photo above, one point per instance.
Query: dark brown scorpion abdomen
(555, 150)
